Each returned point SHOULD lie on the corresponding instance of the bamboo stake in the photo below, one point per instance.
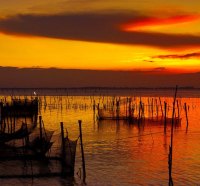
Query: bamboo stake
(40, 121)
(171, 146)
(178, 109)
(63, 137)
(63, 163)
(82, 151)
(152, 110)
(156, 108)
(139, 114)
(165, 116)
(186, 114)
(161, 106)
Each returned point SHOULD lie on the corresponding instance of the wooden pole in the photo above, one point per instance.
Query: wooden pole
(143, 115)
(171, 146)
(165, 117)
(1, 107)
(94, 110)
(63, 163)
(117, 109)
(148, 107)
(170, 166)
(126, 107)
(40, 121)
(152, 109)
(14, 123)
(139, 113)
(173, 113)
(186, 116)
(27, 138)
(63, 139)
(94, 105)
(161, 106)
(129, 108)
(178, 109)
(157, 109)
(82, 151)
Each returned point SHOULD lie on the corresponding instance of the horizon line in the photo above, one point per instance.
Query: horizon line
(98, 87)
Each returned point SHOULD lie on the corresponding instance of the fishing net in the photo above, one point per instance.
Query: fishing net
(40, 144)
(70, 150)
(24, 130)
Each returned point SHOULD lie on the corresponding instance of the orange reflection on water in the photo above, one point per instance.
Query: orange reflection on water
(119, 152)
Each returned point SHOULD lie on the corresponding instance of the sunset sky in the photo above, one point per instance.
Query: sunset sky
(101, 34)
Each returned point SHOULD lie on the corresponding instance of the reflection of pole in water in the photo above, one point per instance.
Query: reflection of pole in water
(165, 143)
(94, 114)
(117, 109)
(117, 126)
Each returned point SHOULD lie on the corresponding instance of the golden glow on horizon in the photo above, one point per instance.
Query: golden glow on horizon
(171, 17)
(43, 52)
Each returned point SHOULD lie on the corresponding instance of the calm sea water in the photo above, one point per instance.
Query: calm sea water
(120, 153)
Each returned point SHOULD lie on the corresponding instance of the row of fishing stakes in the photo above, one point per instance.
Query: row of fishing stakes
(132, 109)
(153, 108)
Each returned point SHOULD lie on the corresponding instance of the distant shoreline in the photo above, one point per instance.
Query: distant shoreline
(102, 91)
(95, 88)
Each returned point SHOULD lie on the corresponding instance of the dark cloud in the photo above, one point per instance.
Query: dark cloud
(92, 27)
(177, 56)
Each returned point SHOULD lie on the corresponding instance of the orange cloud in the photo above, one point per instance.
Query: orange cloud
(154, 21)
